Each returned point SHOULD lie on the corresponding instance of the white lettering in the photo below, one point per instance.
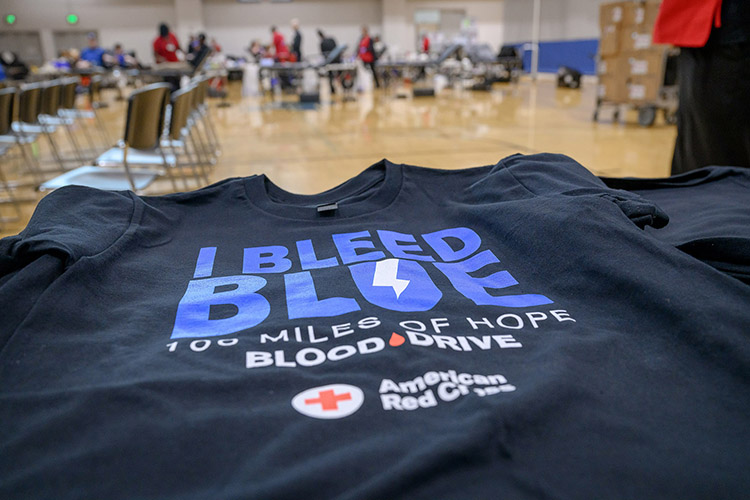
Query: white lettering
(367, 323)
(302, 359)
(437, 323)
(341, 330)
(506, 341)
(420, 339)
(283, 335)
(562, 315)
(341, 352)
(255, 359)
(535, 317)
(517, 319)
(483, 321)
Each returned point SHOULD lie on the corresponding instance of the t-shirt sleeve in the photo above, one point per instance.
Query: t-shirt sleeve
(553, 175)
(67, 225)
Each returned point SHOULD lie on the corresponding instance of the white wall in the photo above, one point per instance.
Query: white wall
(134, 22)
(130, 22)
(487, 13)
(560, 20)
(234, 24)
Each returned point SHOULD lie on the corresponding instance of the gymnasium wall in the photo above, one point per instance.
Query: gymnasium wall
(569, 32)
(234, 24)
(488, 15)
(569, 27)
(130, 22)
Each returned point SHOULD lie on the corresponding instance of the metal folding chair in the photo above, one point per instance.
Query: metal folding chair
(26, 102)
(179, 138)
(139, 158)
(7, 189)
(81, 117)
(37, 113)
(202, 116)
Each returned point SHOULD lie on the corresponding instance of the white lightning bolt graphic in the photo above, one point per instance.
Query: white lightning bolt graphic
(385, 275)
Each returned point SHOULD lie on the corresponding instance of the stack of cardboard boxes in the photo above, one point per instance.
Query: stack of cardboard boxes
(630, 66)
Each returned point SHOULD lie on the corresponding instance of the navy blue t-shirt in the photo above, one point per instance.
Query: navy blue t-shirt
(506, 331)
(709, 214)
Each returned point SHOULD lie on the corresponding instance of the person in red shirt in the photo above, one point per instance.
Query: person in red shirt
(425, 44)
(166, 46)
(282, 51)
(713, 120)
(367, 54)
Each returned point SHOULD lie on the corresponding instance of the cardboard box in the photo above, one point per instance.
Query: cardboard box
(640, 14)
(612, 66)
(644, 62)
(612, 88)
(634, 39)
(609, 43)
(642, 89)
(611, 14)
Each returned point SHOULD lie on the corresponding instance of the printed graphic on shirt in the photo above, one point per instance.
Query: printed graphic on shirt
(309, 346)
(437, 387)
(329, 401)
(389, 270)
(429, 390)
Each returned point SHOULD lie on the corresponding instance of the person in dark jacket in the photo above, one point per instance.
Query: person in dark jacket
(714, 79)
(200, 51)
(297, 41)
(328, 45)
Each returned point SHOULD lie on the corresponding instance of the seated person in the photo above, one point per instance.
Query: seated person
(14, 68)
(200, 51)
(93, 54)
(119, 58)
(166, 46)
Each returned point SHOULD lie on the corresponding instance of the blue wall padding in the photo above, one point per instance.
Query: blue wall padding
(577, 54)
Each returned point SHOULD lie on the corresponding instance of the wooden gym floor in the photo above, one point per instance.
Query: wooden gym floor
(308, 151)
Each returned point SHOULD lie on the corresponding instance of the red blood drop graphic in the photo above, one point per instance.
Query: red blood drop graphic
(396, 339)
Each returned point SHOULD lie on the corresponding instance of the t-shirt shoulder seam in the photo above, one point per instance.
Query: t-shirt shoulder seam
(503, 163)
(131, 222)
(118, 239)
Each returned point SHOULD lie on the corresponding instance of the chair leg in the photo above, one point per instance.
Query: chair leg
(168, 168)
(89, 140)
(11, 197)
(198, 147)
(214, 135)
(102, 129)
(205, 146)
(127, 169)
(31, 163)
(192, 164)
(54, 148)
(178, 165)
(74, 143)
(194, 159)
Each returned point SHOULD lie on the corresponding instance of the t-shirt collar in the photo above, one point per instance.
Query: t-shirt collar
(373, 189)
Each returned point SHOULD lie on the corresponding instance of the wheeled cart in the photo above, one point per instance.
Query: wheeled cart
(647, 93)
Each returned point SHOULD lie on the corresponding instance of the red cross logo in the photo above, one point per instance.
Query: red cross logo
(330, 401)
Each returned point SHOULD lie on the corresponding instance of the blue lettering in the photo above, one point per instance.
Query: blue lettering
(437, 240)
(348, 247)
(391, 241)
(194, 309)
(302, 299)
(204, 266)
(475, 288)
(309, 260)
(270, 259)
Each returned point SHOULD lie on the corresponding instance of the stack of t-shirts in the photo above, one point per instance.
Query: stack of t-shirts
(709, 214)
(507, 331)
